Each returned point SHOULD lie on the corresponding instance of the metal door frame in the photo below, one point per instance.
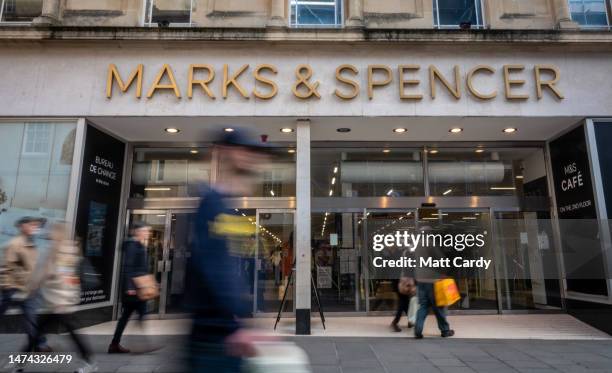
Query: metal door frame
(255, 272)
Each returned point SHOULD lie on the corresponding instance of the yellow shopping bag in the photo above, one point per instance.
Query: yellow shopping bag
(446, 292)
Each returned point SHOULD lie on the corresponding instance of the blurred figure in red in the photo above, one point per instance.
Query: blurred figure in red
(19, 262)
(218, 340)
(60, 285)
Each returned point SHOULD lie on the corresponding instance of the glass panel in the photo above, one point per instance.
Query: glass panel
(589, 12)
(316, 13)
(454, 13)
(35, 170)
(179, 251)
(478, 291)
(528, 263)
(20, 10)
(275, 178)
(367, 172)
(483, 172)
(337, 241)
(275, 261)
(155, 248)
(166, 12)
(169, 172)
(382, 292)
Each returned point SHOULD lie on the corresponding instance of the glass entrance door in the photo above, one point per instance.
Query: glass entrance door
(168, 250)
(478, 288)
(274, 261)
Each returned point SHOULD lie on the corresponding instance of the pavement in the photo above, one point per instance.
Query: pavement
(575, 348)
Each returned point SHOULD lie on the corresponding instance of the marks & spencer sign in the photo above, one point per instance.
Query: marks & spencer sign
(412, 82)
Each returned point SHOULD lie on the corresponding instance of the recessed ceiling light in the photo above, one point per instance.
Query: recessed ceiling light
(291, 151)
(386, 150)
(520, 177)
(479, 150)
(228, 129)
(455, 130)
(399, 130)
(343, 130)
(433, 151)
(286, 130)
(447, 192)
(510, 130)
(194, 151)
(172, 130)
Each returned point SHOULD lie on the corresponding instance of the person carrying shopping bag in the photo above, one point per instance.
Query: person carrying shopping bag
(426, 278)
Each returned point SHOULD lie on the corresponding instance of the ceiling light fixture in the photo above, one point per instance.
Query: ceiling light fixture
(456, 130)
(447, 192)
(157, 189)
(228, 129)
(172, 130)
(335, 169)
(509, 130)
(434, 151)
(479, 150)
(194, 151)
(399, 130)
(386, 150)
(503, 188)
(291, 151)
(390, 192)
(286, 130)
(520, 176)
(331, 192)
(333, 181)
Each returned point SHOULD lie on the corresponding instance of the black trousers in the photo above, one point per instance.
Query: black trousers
(130, 304)
(60, 319)
(403, 303)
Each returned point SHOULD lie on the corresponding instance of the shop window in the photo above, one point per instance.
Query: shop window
(485, 172)
(168, 13)
(319, 13)
(20, 11)
(180, 172)
(367, 172)
(465, 14)
(589, 13)
(37, 139)
(34, 186)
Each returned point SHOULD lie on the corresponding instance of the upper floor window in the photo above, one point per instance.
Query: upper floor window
(316, 13)
(463, 14)
(589, 13)
(20, 11)
(166, 13)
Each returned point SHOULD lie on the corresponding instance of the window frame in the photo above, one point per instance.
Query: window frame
(147, 12)
(338, 12)
(15, 23)
(607, 26)
(33, 136)
(480, 18)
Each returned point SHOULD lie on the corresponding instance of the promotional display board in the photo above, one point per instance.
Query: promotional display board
(98, 208)
(577, 213)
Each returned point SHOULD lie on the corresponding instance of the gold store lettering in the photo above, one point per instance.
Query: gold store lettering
(480, 82)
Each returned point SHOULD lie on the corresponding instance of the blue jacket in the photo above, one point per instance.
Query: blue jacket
(213, 288)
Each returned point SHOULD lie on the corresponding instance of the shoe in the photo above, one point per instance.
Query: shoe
(43, 348)
(116, 348)
(88, 368)
(410, 325)
(395, 328)
(448, 333)
(418, 336)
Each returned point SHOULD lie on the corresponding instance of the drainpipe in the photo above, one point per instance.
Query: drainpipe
(50, 14)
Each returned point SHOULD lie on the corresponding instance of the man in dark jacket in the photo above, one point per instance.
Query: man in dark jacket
(218, 341)
(135, 264)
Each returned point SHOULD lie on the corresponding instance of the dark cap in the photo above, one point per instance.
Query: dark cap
(241, 138)
(30, 219)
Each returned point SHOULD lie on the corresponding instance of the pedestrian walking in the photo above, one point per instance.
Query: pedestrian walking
(426, 277)
(135, 265)
(219, 341)
(60, 286)
(19, 262)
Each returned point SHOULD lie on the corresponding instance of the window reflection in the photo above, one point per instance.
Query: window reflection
(589, 12)
(306, 13)
(20, 11)
(458, 13)
(166, 13)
